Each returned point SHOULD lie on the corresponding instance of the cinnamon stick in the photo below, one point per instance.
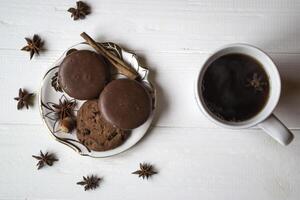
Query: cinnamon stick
(114, 60)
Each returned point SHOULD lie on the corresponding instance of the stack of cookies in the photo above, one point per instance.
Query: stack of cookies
(112, 107)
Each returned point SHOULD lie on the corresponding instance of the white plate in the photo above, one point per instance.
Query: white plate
(49, 95)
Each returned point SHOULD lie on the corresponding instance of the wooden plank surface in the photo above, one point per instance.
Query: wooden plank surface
(195, 158)
(193, 163)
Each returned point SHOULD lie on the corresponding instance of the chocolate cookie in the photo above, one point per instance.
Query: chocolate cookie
(96, 133)
(83, 74)
(125, 103)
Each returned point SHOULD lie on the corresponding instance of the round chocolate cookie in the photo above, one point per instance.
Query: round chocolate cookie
(125, 103)
(83, 74)
(96, 133)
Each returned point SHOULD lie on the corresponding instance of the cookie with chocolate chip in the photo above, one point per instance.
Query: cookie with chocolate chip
(95, 132)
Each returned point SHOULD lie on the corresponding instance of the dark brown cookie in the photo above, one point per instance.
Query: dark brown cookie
(125, 103)
(83, 74)
(96, 133)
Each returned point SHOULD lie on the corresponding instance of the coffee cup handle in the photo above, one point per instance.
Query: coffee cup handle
(277, 130)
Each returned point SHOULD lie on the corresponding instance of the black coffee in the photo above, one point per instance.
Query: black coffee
(235, 87)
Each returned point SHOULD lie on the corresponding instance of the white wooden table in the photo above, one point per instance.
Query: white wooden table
(195, 159)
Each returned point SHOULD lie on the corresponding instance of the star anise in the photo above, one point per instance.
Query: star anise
(81, 11)
(55, 83)
(256, 82)
(46, 158)
(34, 45)
(146, 170)
(64, 109)
(24, 99)
(90, 182)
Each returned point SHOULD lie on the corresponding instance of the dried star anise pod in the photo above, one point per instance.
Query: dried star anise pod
(256, 82)
(55, 83)
(24, 99)
(43, 159)
(146, 170)
(90, 182)
(81, 11)
(64, 109)
(34, 45)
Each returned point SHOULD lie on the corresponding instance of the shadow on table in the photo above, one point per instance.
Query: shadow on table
(288, 108)
(161, 101)
(288, 65)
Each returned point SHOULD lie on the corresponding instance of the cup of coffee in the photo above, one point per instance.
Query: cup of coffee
(239, 87)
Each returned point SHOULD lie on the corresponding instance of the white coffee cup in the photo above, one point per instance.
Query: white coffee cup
(264, 119)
